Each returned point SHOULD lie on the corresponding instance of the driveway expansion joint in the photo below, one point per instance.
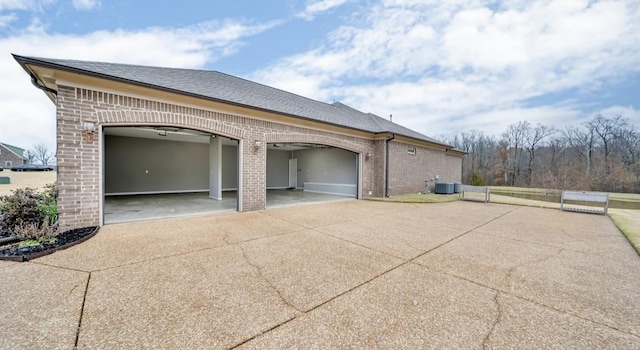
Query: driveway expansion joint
(542, 244)
(35, 262)
(463, 234)
(84, 299)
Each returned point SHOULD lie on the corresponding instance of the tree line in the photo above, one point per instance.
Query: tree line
(602, 154)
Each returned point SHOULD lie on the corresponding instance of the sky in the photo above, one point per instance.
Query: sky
(438, 67)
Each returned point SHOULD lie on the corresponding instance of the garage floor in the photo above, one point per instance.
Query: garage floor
(157, 206)
(282, 198)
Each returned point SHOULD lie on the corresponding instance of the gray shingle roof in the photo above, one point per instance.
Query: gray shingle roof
(227, 88)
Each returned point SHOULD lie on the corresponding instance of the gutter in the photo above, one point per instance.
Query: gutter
(34, 81)
(386, 165)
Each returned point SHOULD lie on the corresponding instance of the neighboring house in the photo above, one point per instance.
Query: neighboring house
(11, 156)
(127, 129)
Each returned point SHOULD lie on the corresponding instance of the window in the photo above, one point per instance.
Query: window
(7, 164)
(411, 150)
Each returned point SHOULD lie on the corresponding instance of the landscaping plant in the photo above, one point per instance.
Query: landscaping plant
(28, 214)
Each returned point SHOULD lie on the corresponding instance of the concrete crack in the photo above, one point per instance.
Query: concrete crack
(514, 268)
(84, 299)
(572, 236)
(260, 273)
(495, 323)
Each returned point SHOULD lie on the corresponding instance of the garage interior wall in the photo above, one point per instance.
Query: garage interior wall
(327, 166)
(229, 168)
(138, 165)
(277, 169)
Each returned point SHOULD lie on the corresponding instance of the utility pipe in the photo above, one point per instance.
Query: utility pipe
(386, 168)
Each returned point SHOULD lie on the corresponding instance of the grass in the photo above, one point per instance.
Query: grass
(628, 222)
(33, 179)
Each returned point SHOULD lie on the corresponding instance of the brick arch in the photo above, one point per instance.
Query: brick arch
(169, 119)
(312, 138)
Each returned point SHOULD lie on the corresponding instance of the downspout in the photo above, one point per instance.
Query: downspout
(386, 167)
(34, 81)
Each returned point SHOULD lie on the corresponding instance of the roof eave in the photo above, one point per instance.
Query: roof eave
(25, 61)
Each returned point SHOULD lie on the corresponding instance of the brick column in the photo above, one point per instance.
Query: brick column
(254, 165)
(78, 164)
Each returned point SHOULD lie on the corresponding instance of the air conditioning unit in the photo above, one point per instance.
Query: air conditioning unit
(444, 188)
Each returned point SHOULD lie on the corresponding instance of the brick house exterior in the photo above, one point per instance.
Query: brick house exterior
(11, 156)
(81, 95)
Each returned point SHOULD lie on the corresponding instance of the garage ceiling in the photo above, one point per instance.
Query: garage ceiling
(165, 133)
(189, 135)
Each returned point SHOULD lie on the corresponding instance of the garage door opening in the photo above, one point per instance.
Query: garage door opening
(159, 172)
(300, 173)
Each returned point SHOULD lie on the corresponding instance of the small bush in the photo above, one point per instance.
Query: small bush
(20, 208)
(26, 210)
(45, 233)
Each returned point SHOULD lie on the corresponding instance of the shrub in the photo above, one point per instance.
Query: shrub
(477, 179)
(30, 231)
(26, 210)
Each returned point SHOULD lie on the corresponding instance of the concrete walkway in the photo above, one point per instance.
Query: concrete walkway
(354, 274)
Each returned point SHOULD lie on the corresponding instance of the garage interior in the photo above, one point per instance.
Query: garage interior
(307, 172)
(153, 172)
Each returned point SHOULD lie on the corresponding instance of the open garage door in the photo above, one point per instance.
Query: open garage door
(304, 172)
(158, 172)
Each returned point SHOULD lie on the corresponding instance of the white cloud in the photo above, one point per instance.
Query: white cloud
(27, 116)
(85, 5)
(29, 5)
(437, 64)
(627, 112)
(317, 7)
(7, 19)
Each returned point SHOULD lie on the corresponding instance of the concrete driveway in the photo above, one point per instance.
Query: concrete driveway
(354, 274)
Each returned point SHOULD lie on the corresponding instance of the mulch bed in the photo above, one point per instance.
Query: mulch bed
(64, 240)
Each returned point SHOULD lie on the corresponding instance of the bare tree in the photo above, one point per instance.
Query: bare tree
(532, 139)
(583, 142)
(630, 145)
(42, 153)
(607, 130)
(514, 138)
(30, 155)
(602, 154)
